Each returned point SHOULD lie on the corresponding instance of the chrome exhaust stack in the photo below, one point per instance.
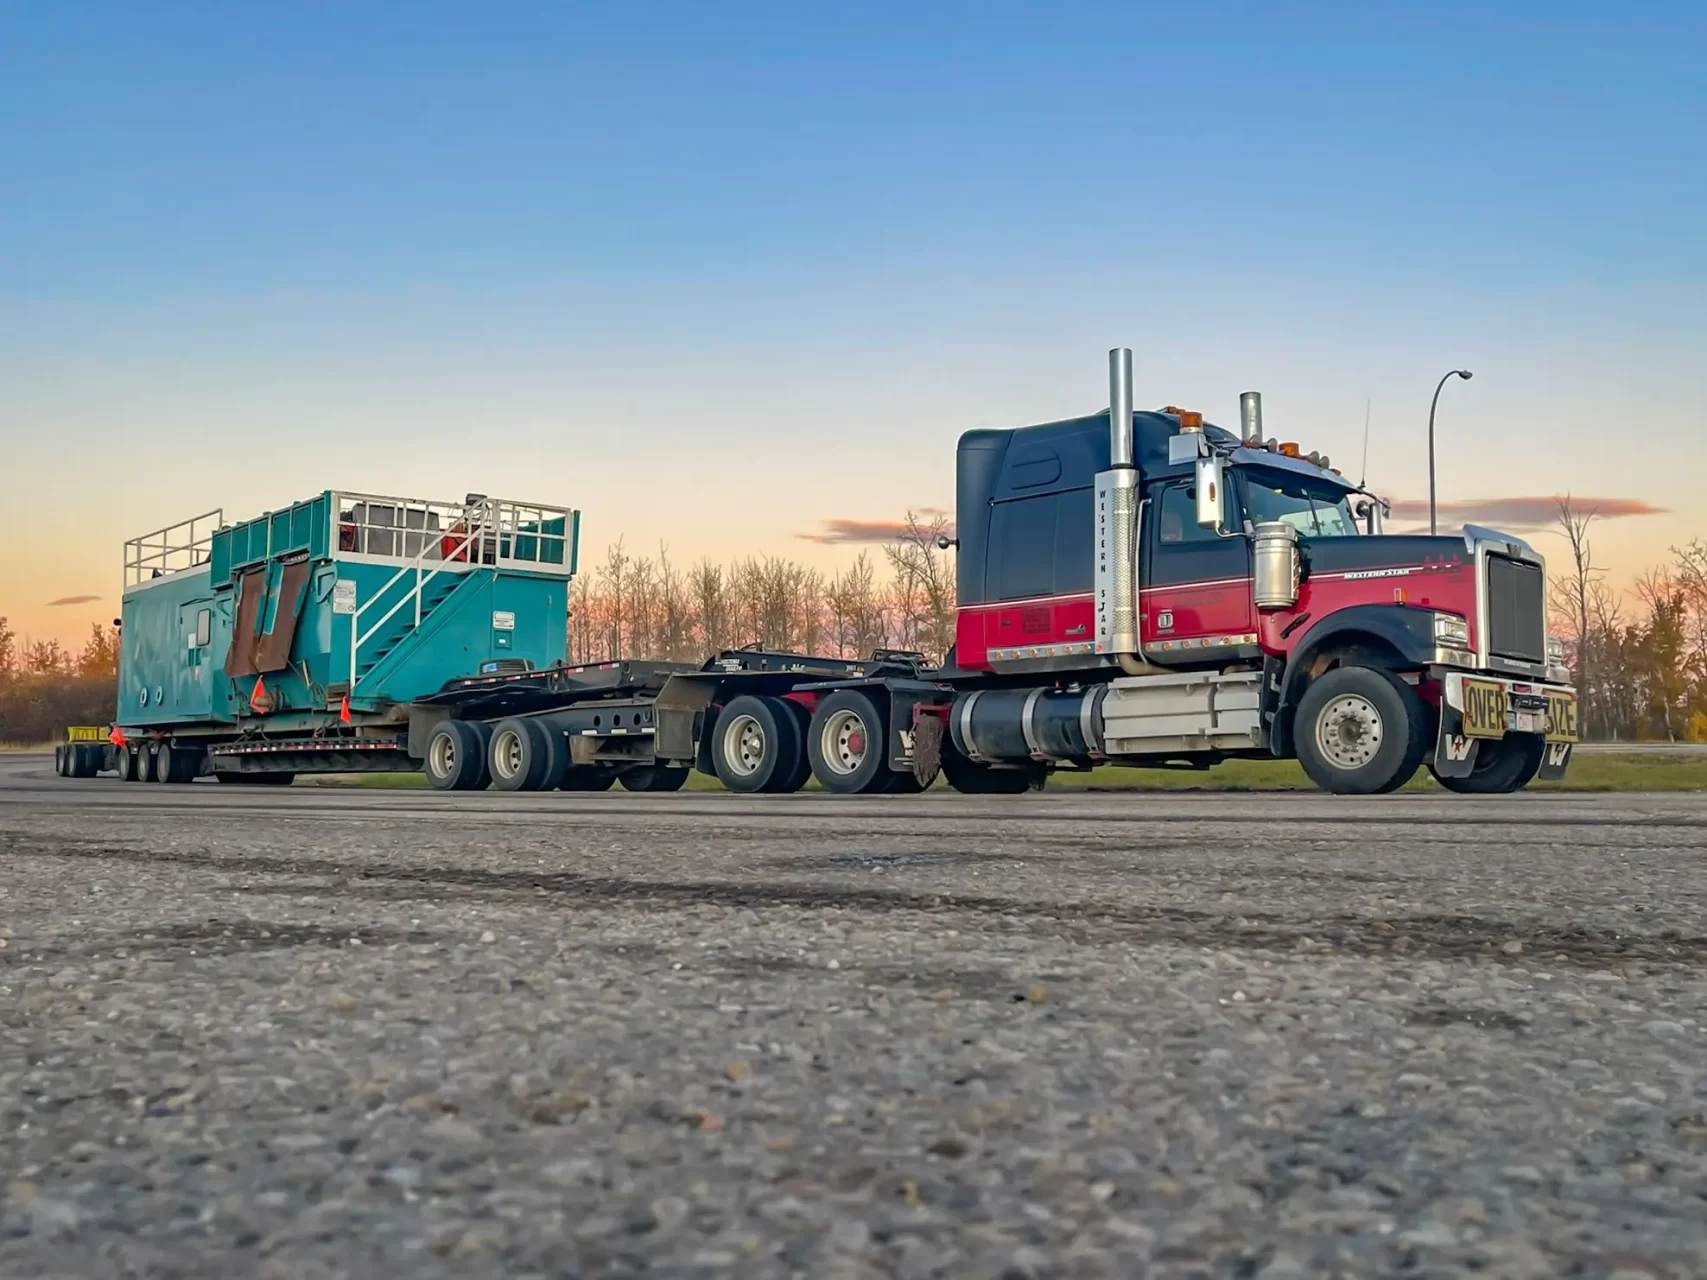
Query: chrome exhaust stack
(1117, 496)
(1250, 419)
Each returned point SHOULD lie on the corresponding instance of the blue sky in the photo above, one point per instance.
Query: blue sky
(717, 273)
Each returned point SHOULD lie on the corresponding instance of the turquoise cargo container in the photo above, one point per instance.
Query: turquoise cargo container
(333, 613)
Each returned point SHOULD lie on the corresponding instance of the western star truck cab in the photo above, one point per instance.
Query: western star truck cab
(1238, 598)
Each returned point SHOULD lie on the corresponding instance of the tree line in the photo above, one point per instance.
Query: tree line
(1639, 657)
(44, 686)
(650, 607)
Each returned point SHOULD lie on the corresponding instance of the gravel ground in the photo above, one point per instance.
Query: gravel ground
(313, 1033)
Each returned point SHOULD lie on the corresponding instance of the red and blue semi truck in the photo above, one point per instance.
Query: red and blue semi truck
(1138, 588)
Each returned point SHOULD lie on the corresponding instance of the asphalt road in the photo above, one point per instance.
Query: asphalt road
(311, 1032)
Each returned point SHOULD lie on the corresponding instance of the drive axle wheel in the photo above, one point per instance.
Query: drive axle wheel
(847, 742)
(1501, 766)
(1360, 731)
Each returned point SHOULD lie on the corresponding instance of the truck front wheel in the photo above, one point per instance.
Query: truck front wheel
(1502, 766)
(1360, 731)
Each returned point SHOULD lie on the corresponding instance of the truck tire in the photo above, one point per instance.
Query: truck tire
(848, 743)
(970, 778)
(86, 760)
(756, 746)
(1501, 767)
(456, 756)
(654, 777)
(586, 777)
(145, 762)
(130, 764)
(1360, 731)
(62, 761)
(524, 756)
(176, 764)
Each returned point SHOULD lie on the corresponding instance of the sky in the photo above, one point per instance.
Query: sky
(733, 278)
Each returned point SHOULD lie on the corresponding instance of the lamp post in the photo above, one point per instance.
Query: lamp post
(1451, 373)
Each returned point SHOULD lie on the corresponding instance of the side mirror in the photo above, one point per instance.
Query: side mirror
(1210, 478)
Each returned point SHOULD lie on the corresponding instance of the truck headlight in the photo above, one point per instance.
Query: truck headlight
(1450, 629)
(1555, 651)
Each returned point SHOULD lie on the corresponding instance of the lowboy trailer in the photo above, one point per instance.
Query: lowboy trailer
(1139, 588)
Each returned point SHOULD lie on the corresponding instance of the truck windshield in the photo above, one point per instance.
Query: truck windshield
(1315, 510)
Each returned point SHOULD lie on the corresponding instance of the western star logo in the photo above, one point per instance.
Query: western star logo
(1381, 573)
(1458, 747)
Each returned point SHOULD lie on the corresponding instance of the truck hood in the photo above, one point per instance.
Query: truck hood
(1386, 551)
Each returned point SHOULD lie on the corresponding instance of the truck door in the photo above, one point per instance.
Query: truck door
(1196, 581)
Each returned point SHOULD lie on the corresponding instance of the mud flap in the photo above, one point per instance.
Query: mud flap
(927, 749)
(1555, 758)
(1454, 750)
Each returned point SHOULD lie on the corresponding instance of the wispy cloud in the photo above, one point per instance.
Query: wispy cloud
(64, 600)
(1519, 513)
(868, 531)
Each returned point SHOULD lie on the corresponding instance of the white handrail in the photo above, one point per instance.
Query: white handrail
(430, 550)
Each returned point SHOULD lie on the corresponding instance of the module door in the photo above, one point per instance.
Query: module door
(192, 685)
(1197, 582)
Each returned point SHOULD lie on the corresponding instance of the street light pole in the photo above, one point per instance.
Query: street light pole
(1451, 373)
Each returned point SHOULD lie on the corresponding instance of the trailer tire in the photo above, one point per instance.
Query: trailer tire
(755, 745)
(802, 760)
(586, 777)
(130, 764)
(456, 756)
(146, 762)
(848, 742)
(1502, 766)
(61, 755)
(522, 756)
(86, 760)
(1360, 731)
(654, 777)
(176, 764)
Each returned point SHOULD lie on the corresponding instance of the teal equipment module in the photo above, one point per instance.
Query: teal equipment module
(345, 601)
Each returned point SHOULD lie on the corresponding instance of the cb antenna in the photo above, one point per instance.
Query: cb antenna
(1361, 479)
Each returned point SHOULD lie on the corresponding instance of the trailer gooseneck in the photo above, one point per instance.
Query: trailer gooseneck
(1134, 587)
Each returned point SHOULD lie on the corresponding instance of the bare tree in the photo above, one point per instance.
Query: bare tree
(708, 587)
(675, 609)
(923, 592)
(855, 607)
(1573, 598)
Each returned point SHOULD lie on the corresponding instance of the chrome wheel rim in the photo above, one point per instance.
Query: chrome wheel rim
(507, 753)
(744, 745)
(1349, 731)
(844, 741)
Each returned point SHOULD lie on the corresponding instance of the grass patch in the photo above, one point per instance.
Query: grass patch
(1654, 771)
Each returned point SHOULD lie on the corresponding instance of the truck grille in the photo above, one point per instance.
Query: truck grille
(1517, 610)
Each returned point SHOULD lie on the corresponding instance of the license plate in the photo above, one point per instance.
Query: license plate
(1485, 709)
(1561, 717)
(1527, 721)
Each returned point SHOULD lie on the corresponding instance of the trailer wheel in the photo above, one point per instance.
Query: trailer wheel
(60, 755)
(86, 761)
(523, 756)
(146, 763)
(654, 777)
(176, 764)
(847, 742)
(586, 777)
(130, 764)
(1360, 731)
(755, 745)
(1501, 767)
(456, 756)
